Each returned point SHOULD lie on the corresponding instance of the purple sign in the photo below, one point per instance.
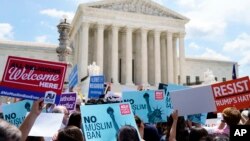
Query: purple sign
(68, 100)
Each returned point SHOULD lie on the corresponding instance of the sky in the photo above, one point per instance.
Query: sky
(218, 29)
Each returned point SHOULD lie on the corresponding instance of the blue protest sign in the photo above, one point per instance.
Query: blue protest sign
(102, 122)
(169, 88)
(198, 118)
(73, 77)
(68, 100)
(15, 113)
(96, 86)
(148, 105)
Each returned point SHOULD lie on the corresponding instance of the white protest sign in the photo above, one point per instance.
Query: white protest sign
(193, 101)
(212, 122)
(215, 97)
(46, 125)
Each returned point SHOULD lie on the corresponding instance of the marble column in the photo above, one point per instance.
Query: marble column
(175, 60)
(100, 43)
(114, 56)
(182, 58)
(129, 56)
(157, 51)
(164, 60)
(83, 48)
(144, 57)
(170, 57)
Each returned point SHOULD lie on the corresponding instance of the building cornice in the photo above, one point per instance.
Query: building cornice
(209, 60)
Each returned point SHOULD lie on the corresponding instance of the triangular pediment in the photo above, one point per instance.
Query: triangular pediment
(146, 7)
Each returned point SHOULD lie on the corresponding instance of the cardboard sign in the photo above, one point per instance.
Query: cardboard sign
(73, 77)
(102, 122)
(198, 118)
(46, 125)
(68, 100)
(169, 88)
(212, 98)
(33, 79)
(96, 86)
(15, 113)
(148, 105)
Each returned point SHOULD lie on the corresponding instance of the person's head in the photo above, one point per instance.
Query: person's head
(62, 109)
(220, 137)
(70, 133)
(9, 132)
(197, 134)
(231, 116)
(75, 120)
(128, 133)
(181, 130)
(30, 138)
(139, 122)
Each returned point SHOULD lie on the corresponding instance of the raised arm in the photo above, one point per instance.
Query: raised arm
(172, 136)
(31, 118)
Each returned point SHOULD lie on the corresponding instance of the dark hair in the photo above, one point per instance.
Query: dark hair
(196, 134)
(181, 130)
(138, 121)
(75, 120)
(30, 138)
(128, 133)
(9, 132)
(70, 133)
(231, 116)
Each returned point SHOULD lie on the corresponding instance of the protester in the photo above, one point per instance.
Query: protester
(31, 118)
(9, 132)
(147, 132)
(70, 133)
(35, 139)
(176, 129)
(198, 134)
(62, 109)
(128, 133)
(75, 119)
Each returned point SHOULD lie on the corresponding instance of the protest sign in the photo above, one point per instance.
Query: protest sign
(234, 93)
(96, 86)
(68, 100)
(167, 89)
(211, 98)
(73, 77)
(33, 79)
(46, 125)
(148, 105)
(198, 118)
(102, 122)
(15, 113)
(212, 122)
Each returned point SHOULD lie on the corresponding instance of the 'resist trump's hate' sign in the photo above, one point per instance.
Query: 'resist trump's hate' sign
(33, 79)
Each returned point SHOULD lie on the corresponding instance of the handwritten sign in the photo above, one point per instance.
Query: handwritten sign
(33, 79)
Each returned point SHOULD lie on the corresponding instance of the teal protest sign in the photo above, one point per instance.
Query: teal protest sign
(148, 105)
(169, 88)
(198, 118)
(102, 122)
(15, 113)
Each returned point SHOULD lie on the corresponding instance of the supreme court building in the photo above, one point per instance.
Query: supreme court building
(133, 42)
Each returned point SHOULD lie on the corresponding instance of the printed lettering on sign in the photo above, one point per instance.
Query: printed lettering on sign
(124, 108)
(159, 95)
(234, 93)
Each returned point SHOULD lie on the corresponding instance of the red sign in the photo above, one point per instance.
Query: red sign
(159, 95)
(125, 109)
(234, 93)
(33, 75)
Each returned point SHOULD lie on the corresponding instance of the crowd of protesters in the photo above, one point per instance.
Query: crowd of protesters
(175, 129)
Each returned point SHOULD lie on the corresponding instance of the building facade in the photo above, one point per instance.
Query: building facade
(133, 42)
